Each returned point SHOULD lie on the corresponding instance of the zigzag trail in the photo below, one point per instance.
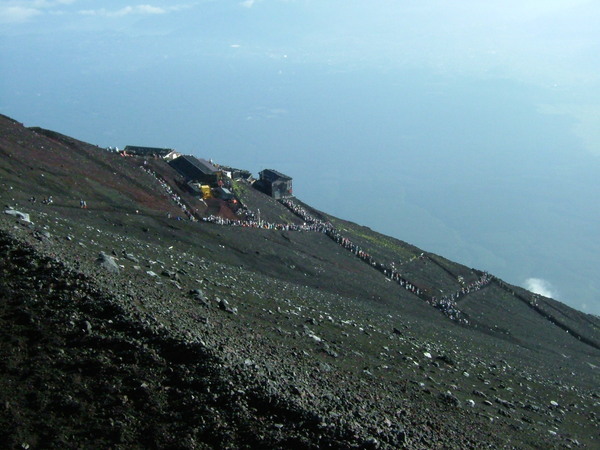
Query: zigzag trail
(448, 306)
(532, 303)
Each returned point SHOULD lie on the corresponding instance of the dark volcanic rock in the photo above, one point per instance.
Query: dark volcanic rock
(107, 262)
(325, 351)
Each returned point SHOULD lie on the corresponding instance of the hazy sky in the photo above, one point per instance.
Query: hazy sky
(468, 128)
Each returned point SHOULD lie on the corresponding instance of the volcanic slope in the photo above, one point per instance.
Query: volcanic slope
(203, 335)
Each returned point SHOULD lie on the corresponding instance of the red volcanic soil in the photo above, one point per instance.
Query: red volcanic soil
(108, 182)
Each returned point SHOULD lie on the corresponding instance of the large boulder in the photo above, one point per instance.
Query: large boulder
(107, 262)
(18, 214)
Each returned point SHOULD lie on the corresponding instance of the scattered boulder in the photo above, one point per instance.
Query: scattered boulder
(130, 257)
(170, 274)
(449, 397)
(18, 214)
(479, 394)
(445, 358)
(224, 306)
(107, 262)
(198, 294)
(42, 235)
(505, 403)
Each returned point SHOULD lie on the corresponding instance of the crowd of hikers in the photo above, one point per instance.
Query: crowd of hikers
(175, 198)
(253, 223)
(447, 304)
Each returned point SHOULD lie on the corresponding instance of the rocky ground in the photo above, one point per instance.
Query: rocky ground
(123, 329)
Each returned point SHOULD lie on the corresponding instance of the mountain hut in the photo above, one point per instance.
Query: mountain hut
(275, 184)
(195, 169)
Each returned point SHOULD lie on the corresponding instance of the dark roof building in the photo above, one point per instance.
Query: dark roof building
(275, 184)
(195, 169)
(237, 173)
(147, 151)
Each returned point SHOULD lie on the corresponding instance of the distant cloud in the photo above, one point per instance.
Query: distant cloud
(540, 286)
(17, 14)
(126, 11)
(133, 10)
(248, 3)
(20, 11)
(264, 113)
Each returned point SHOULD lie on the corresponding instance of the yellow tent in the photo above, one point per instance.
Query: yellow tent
(206, 191)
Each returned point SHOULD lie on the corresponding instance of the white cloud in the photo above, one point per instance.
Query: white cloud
(540, 286)
(20, 11)
(17, 14)
(127, 10)
(266, 113)
(248, 3)
(134, 10)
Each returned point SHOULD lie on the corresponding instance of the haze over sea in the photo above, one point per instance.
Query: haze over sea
(469, 130)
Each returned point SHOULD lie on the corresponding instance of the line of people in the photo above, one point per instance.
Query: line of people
(172, 195)
(253, 223)
(446, 304)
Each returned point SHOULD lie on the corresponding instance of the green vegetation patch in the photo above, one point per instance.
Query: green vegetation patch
(372, 241)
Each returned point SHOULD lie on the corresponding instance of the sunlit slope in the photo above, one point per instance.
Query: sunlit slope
(46, 164)
(514, 320)
(43, 163)
(501, 310)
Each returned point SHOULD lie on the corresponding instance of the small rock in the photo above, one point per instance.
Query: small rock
(42, 235)
(324, 367)
(446, 359)
(198, 294)
(505, 403)
(130, 257)
(450, 398)
(224, 306)
(371, 442)
(479, 394)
